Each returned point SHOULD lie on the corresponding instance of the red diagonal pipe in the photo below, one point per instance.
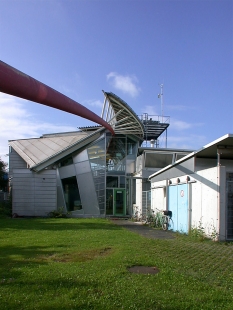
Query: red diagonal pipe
(19, 84)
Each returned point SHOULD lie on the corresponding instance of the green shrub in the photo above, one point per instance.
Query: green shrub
(59, 213)
(6, 208)
(198, 232)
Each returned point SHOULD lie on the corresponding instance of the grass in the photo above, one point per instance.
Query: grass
(82, 264)
(5, 208)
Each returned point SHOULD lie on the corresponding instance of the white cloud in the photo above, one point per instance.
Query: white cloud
(17, 123)
(181, 125)
(192, 142)
(150, 110)
(126, 84)
(93, 103)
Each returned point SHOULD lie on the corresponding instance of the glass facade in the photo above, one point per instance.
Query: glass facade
(116, 155)
(97, 159)
(106, 160)
(109, 201)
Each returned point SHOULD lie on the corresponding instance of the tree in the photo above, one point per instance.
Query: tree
(3, 175)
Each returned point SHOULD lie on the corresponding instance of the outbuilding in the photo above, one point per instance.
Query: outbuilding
(198, 190)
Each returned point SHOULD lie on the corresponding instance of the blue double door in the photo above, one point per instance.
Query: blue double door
(178, 204)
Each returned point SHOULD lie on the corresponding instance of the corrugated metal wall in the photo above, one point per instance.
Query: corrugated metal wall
(15, 161)
(34, 194)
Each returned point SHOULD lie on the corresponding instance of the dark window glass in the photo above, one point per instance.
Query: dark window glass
(67, 161)
(71, 194)
(122, 182)
(112, 181)
(109, 201)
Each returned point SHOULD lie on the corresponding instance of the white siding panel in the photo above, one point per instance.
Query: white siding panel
(139, 195)
(15, 161)
(34, 194)
(209, 192)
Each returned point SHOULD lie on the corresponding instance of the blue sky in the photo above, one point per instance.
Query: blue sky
(128, 47)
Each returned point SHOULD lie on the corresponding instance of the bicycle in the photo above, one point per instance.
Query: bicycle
(150, 217)
(136, 215)
(163, 219)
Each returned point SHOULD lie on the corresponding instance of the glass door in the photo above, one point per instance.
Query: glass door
(119, 202)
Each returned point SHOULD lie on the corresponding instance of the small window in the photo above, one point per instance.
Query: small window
(112, 181)
(122, 182)
(67, 161)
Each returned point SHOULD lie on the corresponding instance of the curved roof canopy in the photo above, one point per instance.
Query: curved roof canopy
(121, 117)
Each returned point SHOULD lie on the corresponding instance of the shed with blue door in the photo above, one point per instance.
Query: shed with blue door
(198, 190)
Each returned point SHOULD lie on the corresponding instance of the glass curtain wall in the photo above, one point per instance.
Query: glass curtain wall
(116, 155)
(108, 158)
(115, 168)
(97, 159)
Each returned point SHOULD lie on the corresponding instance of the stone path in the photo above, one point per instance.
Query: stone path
(144, 230)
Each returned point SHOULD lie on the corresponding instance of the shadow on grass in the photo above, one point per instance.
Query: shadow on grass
(78, 293)
(12, 258)
(57, 224)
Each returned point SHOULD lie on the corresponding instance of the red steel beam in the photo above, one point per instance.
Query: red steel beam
(19, 84)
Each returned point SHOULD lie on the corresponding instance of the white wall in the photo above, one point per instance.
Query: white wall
(139, 195)
(158, 196)
(206, 199)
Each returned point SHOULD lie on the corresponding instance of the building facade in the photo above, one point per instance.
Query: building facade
(87, 173)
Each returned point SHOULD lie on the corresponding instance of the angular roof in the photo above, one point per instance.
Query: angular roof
(121, 117)
(38, 153)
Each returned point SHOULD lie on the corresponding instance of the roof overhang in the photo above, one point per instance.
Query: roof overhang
(221, 148)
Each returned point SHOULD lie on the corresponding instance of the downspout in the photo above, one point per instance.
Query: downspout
(189, 203)
(218, 191)
(167, 205)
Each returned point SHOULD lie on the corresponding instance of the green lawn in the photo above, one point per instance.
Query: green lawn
(50, 264)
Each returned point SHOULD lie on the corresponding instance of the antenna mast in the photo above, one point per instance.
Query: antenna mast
(160, 95)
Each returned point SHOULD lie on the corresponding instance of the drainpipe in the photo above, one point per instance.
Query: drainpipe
(218, 192)
(167, 194)
(189, 203)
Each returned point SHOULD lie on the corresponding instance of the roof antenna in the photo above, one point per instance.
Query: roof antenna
(160, 95)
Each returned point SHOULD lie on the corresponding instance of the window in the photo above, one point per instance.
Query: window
(71, 194)
(109, 201)
(112, 181)
(67, 161)
(122, 181)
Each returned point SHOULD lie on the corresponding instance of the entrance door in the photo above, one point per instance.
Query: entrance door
(178, 204)
(182, 208)
(119, 202)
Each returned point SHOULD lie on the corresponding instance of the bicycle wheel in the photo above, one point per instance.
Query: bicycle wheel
(143, 218)
(165, 223)
(158, 222)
